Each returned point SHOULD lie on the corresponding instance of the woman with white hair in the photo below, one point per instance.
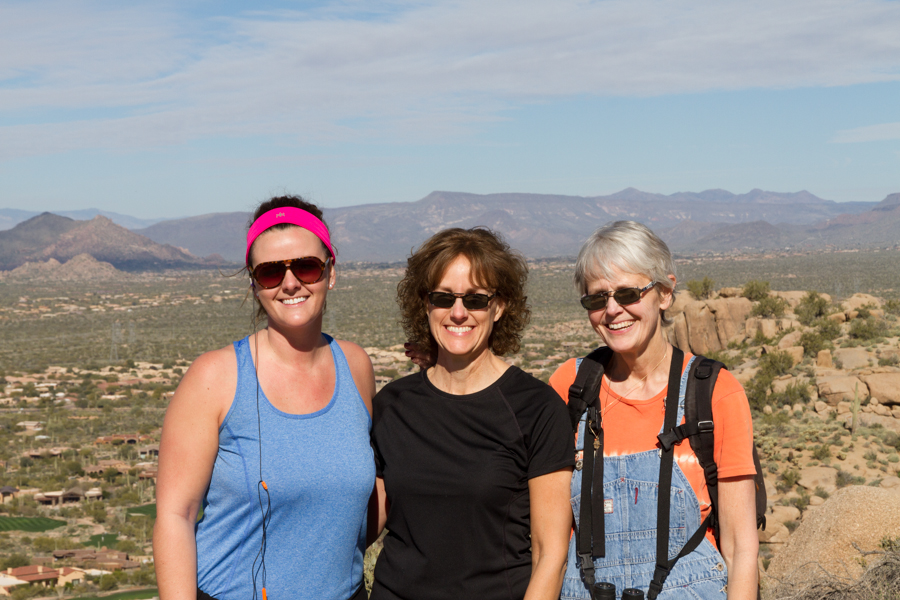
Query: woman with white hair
(626, 276)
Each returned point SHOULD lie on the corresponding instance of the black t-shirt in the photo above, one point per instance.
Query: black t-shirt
(456, 471)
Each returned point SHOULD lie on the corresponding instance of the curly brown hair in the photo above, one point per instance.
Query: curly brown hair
(494, 266)
(281, 202)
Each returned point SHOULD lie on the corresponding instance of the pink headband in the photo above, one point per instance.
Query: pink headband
(294, 216)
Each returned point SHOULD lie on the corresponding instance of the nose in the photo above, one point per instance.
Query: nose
(290, 282)
(458, 311)
(613, 308)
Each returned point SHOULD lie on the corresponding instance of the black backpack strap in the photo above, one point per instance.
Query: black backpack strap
(698, 412)
(584, 396)
(585, 390)
(663, 565)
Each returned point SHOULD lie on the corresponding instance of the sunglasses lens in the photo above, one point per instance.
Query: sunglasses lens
(269, 275)
(308, 270)
(441, 299)
(476, 301)
(593, 302)
(627, 296)
(470, 301)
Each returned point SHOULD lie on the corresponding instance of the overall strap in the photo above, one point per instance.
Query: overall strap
(666, 463)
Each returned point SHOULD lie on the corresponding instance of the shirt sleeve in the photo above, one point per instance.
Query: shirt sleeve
(733, 428)
(562, 378)
(552, 446)
(377, 409)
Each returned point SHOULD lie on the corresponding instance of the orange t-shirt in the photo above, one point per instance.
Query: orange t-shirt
(631, 426)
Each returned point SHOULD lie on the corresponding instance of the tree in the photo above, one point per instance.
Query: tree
(700, 289)
(812, 306)
(755, 290)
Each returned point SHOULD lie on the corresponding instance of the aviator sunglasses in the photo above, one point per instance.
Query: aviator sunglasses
(623, 297)
(308, 270)
(470, 301)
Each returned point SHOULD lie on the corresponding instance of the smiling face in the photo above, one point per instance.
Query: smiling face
(293, 303)
(462, 334)
(629, 329)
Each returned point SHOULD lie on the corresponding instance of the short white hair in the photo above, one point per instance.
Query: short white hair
(627, 246)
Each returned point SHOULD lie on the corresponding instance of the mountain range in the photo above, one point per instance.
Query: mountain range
(538, 225)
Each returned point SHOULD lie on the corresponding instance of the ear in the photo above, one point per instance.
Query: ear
(499, 309)
(666, 295)
(332, 275)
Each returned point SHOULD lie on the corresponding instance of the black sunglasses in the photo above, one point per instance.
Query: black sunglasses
(308, 269)
(623, 297)
(470, 301)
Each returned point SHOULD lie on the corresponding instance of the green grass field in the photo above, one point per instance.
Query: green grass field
(104, 539)
(129, 595)
(147, 510)
(32, 524)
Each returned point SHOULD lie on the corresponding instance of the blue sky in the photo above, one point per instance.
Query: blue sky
(167, 109)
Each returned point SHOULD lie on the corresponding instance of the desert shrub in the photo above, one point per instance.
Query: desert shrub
(889, 361)
(787, 480)
(769, 306)
(723, 357)
(756, 290)
(864, 329)
(107, 583)
(774, 364)
(843, 479)
(792, 525)
(13, 561)
(828, 329)
(812, 306)
(813, 342)
(700, 289)
(795, 393)
(821, 452)
(821, 493)
(892, 306)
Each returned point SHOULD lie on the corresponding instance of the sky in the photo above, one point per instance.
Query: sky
(165, 109)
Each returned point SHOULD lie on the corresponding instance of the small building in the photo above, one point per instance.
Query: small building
(110, 560)
(75, 494)
(8, 584)
(35, 575)
(149, 450)
(7, 493)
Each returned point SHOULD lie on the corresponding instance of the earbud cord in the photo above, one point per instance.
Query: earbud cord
(267, 511)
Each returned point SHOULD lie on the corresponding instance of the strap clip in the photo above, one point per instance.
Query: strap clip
(671, 437)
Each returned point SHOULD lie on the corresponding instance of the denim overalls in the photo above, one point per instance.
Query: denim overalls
(631, 483)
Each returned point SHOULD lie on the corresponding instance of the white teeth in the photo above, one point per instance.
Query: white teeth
(622, 325)
(297, 300)
(458, 329)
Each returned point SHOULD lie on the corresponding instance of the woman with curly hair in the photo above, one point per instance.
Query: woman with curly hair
(473, 456)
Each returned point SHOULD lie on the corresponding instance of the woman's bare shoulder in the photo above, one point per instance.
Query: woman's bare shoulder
(210, 381)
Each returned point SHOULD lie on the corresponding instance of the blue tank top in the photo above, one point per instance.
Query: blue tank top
(320, 472)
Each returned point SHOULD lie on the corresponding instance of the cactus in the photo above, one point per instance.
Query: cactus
(854, 409)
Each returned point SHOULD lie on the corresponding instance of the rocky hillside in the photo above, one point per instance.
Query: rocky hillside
(824, 381)
(48, 236)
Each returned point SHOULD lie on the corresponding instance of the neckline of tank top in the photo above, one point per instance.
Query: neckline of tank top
(264, 399)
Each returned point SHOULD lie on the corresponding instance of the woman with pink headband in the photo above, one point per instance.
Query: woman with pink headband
(270, 437)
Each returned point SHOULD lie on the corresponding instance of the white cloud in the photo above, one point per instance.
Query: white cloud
(871, 133)
(76, 75)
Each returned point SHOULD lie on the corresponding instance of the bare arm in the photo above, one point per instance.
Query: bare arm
(551, 524)
(738, 539)
(190, 441)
